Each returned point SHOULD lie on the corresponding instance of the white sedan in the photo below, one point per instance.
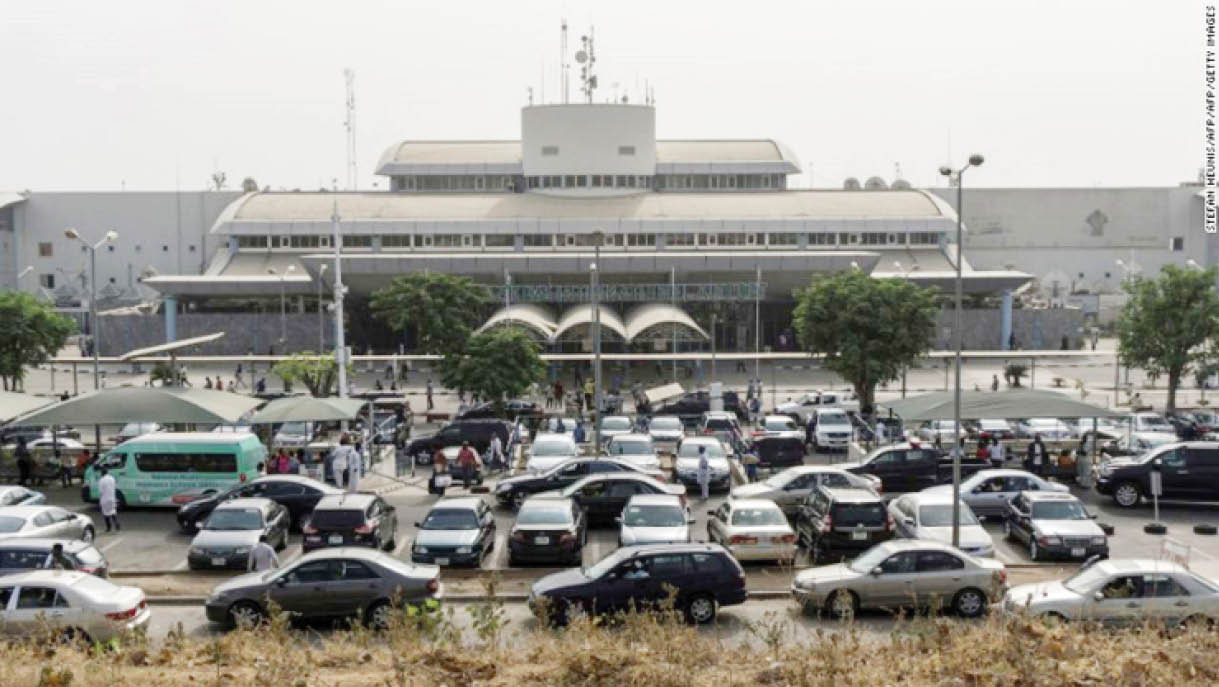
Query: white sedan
(928, 515)
(1120, 592)
(47, 442)
(752, 529)
(79, 605)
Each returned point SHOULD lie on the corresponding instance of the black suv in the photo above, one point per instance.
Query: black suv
(705, 576)
(296, 493)
(690, 408)
(477, 432)
(351, 520)
(513, 491)
(834, 522)
(1188, 470)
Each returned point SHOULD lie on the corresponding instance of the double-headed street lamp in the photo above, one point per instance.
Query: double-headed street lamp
(283, 303)
(975, 160)
(109, 237)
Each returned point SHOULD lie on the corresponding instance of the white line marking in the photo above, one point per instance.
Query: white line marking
(181, 566)
(111, 545)
(401, 545)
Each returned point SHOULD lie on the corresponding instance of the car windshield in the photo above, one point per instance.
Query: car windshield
(544, 514)
(9, 523)
(654, 516)
(852, 514)
(1046, 423)
(940, 515)
(833, 419)
(689, 449)
(552, 448)
(758, 517)
(293, 428)
(1153, 423)
(337, 519)
(630, 447)
(666, 423)
(722, 423)
(869, 559)
(449, 519)
(89, 556)
(779, 424)
(616, 423)
(598, 569)
(1085, 579)
(234, 519)
(1059, 510)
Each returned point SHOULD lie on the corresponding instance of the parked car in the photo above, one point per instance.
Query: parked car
(636, 449)
(778, 451)
(1188, 470)
(928, 515)
(903, 573)
(548, 450)
(351, 520)
(1054, 525)
(993, 428)
(14, 495)
(477, 432)
(752, 529)
(837, 522)
(802, 408)
(560, 425)
(603, 496)
(685, 463)
(1050, 429)
(703, 576)
(294, 435)
(47, 442)
(132, 430)
(1187, 427)
(911, 466)
(987, 492)
(722, 425)
(942, 432)
(82, 606)
(791, 487)
(18, 555)
(296, 493)
(1120, 592)
(667, 430)
(512, 491)
(507, 410)
(831, 430)
(778, 426)
(456, 531)
(26, 522)
(614, 425)
(548, 531)
(339, 582)
(233, 529)
(1206, 418)
(654, 519)
(10, 435)
(690, 407)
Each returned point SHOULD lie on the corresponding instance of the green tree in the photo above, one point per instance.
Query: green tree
(1168, 324)
(443, 309)
(868, 330)
(33, 332)
(498, 364)
(317, 373)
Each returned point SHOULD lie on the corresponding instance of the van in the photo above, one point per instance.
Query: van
(154, 469)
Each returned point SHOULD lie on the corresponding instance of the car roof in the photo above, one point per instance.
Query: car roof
(654, 500)
(1002, 472)
(639, 549)
(925, 498)
(296, 479)
(554, 436)
(752, 503)
(786, 418)
(245, 502)
(191, 437)
(632, 435)
(356, 500)
(705, 439)
(68, 577)
(471, 502)
(26, 511)
(548, 502)
(344, 552)
(908, 544)
(666, 417)
(1129, 565)
(850, 494)
(616, 417)
(69, 545)
(1048, 496)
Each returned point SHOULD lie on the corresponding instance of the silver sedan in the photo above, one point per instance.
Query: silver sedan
(44, 521)
(752, 529)
(789, 488)
(987, 492)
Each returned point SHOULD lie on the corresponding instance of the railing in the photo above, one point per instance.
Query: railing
(631, 293)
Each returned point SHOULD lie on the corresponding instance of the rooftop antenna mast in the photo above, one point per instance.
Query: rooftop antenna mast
(563, 66)
(350, 125)
(587, 57)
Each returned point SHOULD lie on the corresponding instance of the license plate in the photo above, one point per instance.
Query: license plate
(442, 561)
(336, 539)
(1078, 552)
(219, 561)
(859, 536)
(541, 541)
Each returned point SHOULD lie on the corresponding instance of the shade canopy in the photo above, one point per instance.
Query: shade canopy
(171, 347)
(167, 405)
(13, 404)
(978, 405)
(308, 409)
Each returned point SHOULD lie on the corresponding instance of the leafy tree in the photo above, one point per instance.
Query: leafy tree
(1013, 372)
(443, 309)
(33, 332)
(498, 364)
(1168, 325)
(161, 372)
(867, 329)
(317, 373)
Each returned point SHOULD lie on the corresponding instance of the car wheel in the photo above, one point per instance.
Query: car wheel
(88, 535)
(1198, 621)
(842, 603)
(1127, 494)
(74, 635)
(700, 609)
(518, 498)
(246, 613)
(969, 603)
(1034, 553)
(379, 615)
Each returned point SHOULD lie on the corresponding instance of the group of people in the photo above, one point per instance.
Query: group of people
(219, 384)
(65, 467)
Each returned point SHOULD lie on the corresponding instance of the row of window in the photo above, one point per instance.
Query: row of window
(721, 182)
(46, 249)
(589, 181)
(660, 182)
(553, 151)
(455, 182)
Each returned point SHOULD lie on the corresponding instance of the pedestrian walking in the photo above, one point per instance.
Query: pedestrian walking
(207, 382)
(355, 467)
(882, 432)
(1037, 457)
(588, 393)
(430, 405)
(57, 559)
(63, 463)
(22, 453)
(996, 453)
(994, 382)
(704, 471)
(577, 434)
(750, 460)
(107, 499)
(338, 464)
(467, 460)
(496, 448)
(262, 556)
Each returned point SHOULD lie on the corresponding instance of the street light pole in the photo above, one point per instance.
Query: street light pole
(598, 237)
(92, 247)
(975, 160)
(340, 339)
(321, 319)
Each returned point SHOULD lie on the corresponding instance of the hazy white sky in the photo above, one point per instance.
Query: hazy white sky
(158, 94)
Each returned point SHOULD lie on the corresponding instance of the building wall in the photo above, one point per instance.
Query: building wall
(243, 332)
(565, 129)
(164, 230)
(1033, 329)
(1074, 236)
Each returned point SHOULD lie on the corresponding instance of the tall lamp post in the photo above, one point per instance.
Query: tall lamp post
(975, 160)
(109, 237)
(321, 317)
(340, 337)
(595, 276)
(906, 278)
(283, 303)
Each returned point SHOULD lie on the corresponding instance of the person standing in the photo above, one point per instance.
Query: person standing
(430, 404)
(588, 393)
(107, 499)
(57, 559)
(355, 467)
(577, 434)
(338, 464)
(996, 453)
(994, 382)
(22, 452)
(704, 471)
(497, 453)
(1037, 456)
(750, 459)
(440, 469)
(262, 556)
(467, 460)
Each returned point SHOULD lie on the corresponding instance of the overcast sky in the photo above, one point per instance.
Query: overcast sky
(153, 94)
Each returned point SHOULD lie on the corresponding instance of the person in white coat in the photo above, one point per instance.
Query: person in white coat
(355, 468)
(704, 471)
(107, 499)
(338, 464)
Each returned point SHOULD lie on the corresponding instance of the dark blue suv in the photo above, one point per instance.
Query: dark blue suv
(705, 577)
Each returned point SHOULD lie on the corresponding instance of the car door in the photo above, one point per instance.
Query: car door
(1119, 601)
(906, 519)
(36, 605)
(1165, 598)
(889, 467)
(894, 585)
(938, 578)
(569, 474)
(619, 492)
(356, 586)
(619, 589)
(919, 469)
(665, 571)
(592, 498)
(1178, 478)
(1203, 465)
(795, 491)
(306, 589)
(1020, 518)
(486, 523)
(44, 525)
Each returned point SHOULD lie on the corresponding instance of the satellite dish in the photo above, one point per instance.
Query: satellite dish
(851, 184)
(900, 185)
(581, 56)
(875, 184)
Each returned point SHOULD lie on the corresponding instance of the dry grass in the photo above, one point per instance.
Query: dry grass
(646, 649)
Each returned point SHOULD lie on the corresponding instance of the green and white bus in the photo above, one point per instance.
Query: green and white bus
(156, 469)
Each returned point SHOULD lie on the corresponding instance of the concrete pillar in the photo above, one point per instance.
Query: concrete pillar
(171, 319)
(1005, 321)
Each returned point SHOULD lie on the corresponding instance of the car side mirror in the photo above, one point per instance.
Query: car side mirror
(1099, 596)
(908, 521)
(877, 572)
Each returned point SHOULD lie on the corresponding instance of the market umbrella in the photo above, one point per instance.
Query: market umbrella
(308, 409)
(13, 404)
(1011, 403)
(166, 405)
